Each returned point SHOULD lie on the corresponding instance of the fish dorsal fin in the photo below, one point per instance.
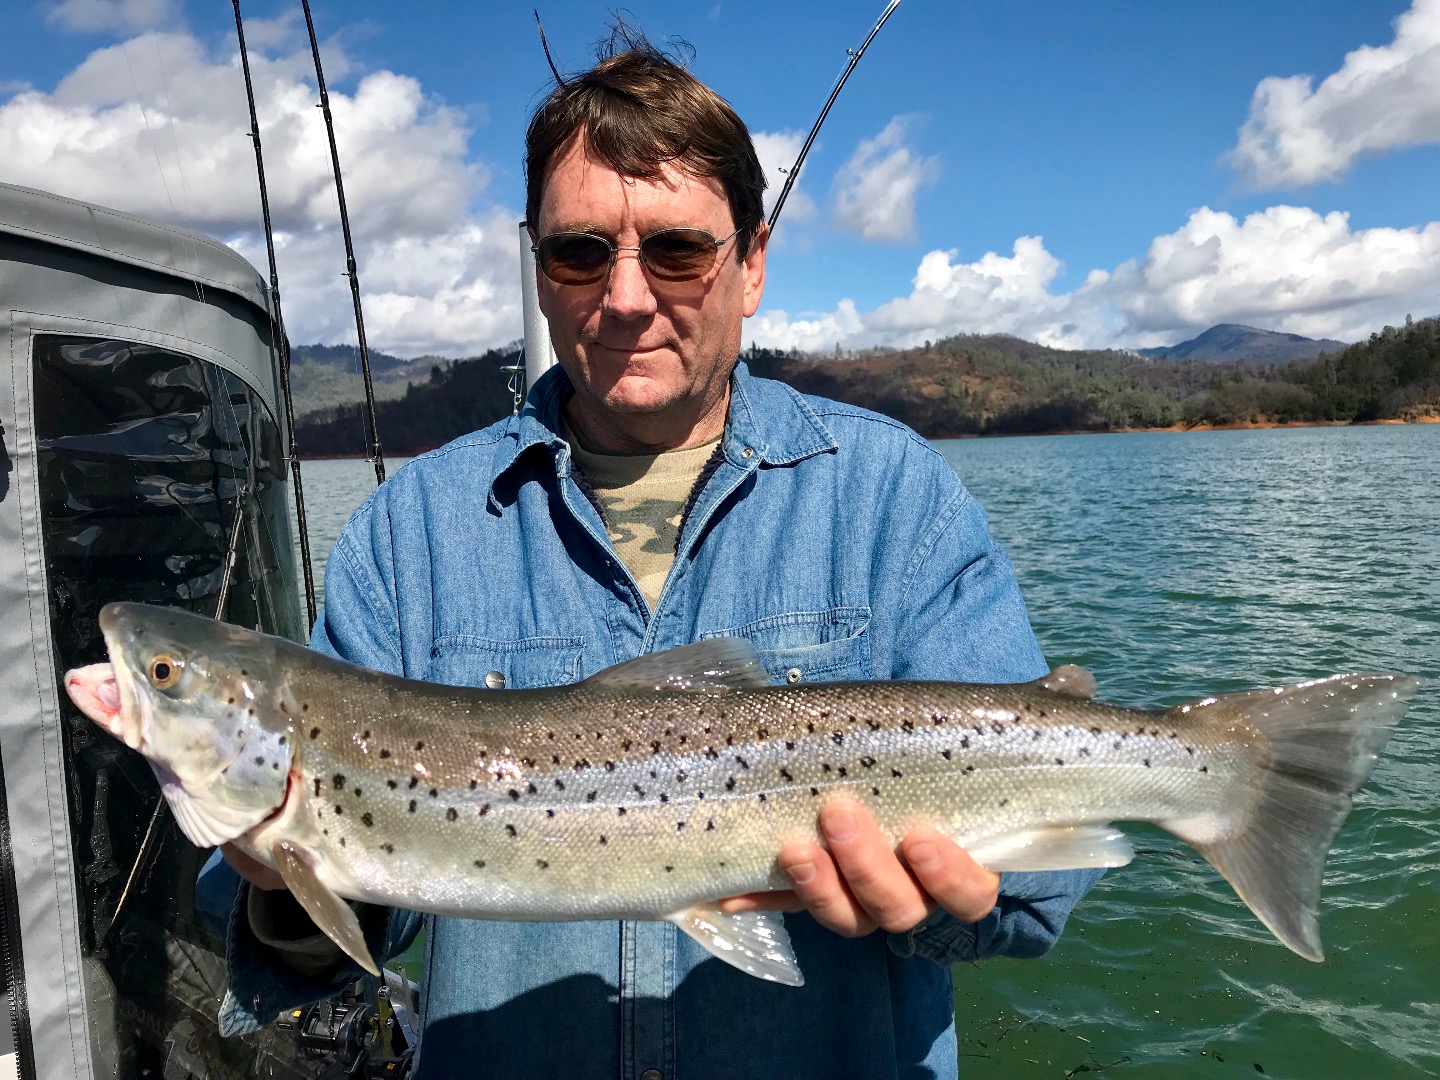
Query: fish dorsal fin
(727, 663)
(753, 941)
(1070, 680)
(330, 913)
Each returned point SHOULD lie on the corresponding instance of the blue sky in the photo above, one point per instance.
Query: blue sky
(1120, 174)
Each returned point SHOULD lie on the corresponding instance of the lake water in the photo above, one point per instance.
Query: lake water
(1176, 565)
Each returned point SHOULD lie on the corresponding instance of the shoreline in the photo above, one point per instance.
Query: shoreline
(1237, 425)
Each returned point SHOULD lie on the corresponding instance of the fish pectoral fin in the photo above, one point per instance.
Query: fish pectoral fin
(753, 941)
(1070, 680)
(706, 667)
(1053, 847)
(330, 913)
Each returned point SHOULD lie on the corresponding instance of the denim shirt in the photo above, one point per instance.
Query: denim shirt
(843, 547)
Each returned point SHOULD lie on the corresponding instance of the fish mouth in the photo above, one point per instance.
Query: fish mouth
(98, 692)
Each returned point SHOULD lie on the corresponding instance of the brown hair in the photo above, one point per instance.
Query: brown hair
(637, 109)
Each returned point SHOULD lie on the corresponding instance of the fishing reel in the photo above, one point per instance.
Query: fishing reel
(356, 1038)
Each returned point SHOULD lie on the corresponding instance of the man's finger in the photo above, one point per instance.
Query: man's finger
(870, 869)
(944, 870)
(257, 873)
(819, 886)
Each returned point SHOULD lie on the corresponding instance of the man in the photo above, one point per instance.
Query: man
(653, 493)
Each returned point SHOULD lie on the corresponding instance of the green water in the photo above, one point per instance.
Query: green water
(1176, 565)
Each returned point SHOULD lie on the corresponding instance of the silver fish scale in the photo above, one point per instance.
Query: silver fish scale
(538, 798)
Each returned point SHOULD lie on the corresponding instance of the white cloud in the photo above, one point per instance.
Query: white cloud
(875, 190)
(156, 126)
(1381, 98)
(1285, 268)
(777, 151)
(120, 16)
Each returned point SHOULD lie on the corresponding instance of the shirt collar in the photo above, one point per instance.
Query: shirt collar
(769, 422)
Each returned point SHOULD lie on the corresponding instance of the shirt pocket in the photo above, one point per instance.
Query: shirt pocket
(809, 646)
(525, 664)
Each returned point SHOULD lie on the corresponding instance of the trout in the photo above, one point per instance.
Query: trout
(659, 785)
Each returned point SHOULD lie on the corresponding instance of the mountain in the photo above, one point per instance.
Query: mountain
(322, 376)
(1231, 341)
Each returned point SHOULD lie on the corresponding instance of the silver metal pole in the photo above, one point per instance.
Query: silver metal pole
(539, 353)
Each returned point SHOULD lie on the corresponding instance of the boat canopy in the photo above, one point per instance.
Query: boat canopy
(141, 458)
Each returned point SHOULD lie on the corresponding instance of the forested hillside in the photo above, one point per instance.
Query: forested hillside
(982, 385)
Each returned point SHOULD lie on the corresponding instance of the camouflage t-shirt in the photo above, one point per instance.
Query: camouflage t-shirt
(642, 498)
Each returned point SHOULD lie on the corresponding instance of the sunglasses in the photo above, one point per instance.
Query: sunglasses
(579, 258)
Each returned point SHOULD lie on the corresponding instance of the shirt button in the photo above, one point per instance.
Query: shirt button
(793, 675)
(494, 680)
(652, 1074)
(749, 451)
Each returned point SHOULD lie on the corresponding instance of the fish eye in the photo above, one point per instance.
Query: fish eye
(164, 671)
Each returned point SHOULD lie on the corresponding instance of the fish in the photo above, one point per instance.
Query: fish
(658, 786)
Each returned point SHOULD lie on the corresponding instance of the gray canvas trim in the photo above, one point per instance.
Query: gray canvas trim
(30, 742)
(110, 234)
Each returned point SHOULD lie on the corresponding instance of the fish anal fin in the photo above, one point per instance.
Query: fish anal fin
(753, 941)
(1070, 680)
(719, 664)
(330, 913)
(1053, 847)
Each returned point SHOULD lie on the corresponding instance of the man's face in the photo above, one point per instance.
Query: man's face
(649, 359)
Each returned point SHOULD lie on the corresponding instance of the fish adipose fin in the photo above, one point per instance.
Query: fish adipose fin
(1053, 847)
(331, 914)
(753, 941)
(1070, 680)
(1323, 739)
(705, 667)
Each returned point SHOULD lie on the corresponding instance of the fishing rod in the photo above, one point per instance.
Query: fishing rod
(350, 270)
(282, 342)
(794, 174)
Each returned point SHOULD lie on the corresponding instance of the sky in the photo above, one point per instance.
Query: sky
(1102, 175)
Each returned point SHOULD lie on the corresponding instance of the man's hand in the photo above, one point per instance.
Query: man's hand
(861, 884)
(257, 873)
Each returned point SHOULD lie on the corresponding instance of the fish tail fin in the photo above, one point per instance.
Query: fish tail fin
(1319, 742)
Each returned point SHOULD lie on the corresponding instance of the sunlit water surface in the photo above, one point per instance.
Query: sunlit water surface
(1175, 566)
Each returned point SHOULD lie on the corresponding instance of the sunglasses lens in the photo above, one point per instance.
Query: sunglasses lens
(678, 254)
(574, 258)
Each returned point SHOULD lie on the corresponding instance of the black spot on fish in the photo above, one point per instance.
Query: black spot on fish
(730, 784)
(1059, 761)
(1094, 731)
(668, 869)
(550, 734)
(363, 735)
(511, 830)
(305, 707)
(874, 791)
(638, 790)
(1036, 733)
(367, 820)
(602, 839)
(654, 775)
(710, 825)
(814, 791)
(479, 864)
(1117, 744)
(318, 784)
(259, 759)
(1147, 763)
(484, 809)
(325, 832)
(873, 725)
(1004, 802)
(542, 864)
(554, 759)
(655, 746)
(810, 727)
(762, 796)
(742, 762)
(559, 785)
(591, 796)
(969, 768)
(626, 745)
(434, 792)
(838, 738)
(722, 862)
(681, 776)
(711, 753)
(412, 806)
(1190, 750)
(549, 813)
(964, 742)
(414, 782)
(342, 841)
(1084, 751)
(622, 811)
(682, 740)
(384, 754)
(664, 797)
(609, 766)
(868, 761)
(419, 746)
(945, 754)
(679, 825)
(896, 773)
(907, 725)
(389, 849)
(282, 740)
(824, 766)
(339, 809)
(230, 701)
(514, 794)
(583, 763)
(1205, 768)
(786, 774)
(530, 787)
(842, 771)
(473, 783)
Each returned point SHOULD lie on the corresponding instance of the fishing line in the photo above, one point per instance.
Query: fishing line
(350, 269)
